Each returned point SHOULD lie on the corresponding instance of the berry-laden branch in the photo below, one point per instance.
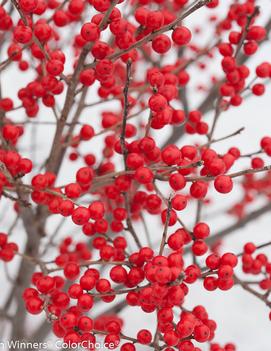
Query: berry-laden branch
(163, 29)
(104, 217)
(125, 111)
(164, 236)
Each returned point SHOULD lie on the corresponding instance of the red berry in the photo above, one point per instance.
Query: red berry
(85, 324)
(87, 77)
(118, 274)
(199, 189)
(144, 175)
(179, 202)
(223, 184)
(201, 333)
(181, 35)
(71, 271)
(177, 181)
(201, 230)
(28, 5)
(199, 247)
(80, 215)
(90, 31)
(144, 337)
(34, 305)
(161, 44)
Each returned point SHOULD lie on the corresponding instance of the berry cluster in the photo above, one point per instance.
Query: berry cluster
(166, 289)
(256, 265)
(223, 267)
(7, 249)
(135, 57)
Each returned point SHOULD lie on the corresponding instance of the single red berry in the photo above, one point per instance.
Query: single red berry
(34, 305)
(71, 271)
(161, 44)
(201, 230)
(181, 35)
(177, 181)
(144, 337)
(223, 184)
(179, 202)
(199, 189)
(144, 175)
(85, 324)
(90, 31)
(199, 248)
(201, 333)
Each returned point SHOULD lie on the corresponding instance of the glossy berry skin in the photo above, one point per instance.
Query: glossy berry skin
(85, 324)
(199, 189)
(54, 67)
(128, 347)
(71, 271)
(143, 175)
(179, 202)
(34, 305)
(181, 35)
(199, 248)
(213, 261)
(223, 184)
(90, 32)
(87, 282)
(28, 5)
(45, 284)
(157, 103)
(85, 302)
(210, 283)
(201, 230)
(144, 337)
(118, 274)
(23, 34)
(80, 215)
(87, 77)
(225, 272)
(177, 181)
(161, 44)
(201, 333)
